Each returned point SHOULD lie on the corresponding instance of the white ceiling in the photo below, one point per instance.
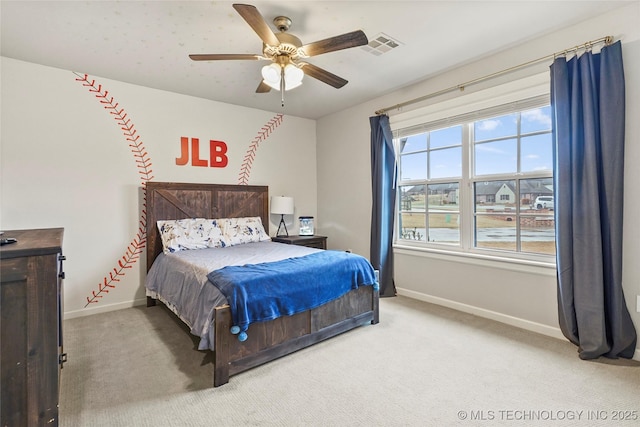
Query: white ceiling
(147, 43)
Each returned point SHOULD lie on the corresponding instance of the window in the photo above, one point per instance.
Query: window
(479, 182)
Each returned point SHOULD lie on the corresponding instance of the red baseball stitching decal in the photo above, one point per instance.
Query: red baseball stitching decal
(143, 163)
(245, 169)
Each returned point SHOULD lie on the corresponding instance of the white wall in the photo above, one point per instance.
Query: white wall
(523, 296)
(66, 163)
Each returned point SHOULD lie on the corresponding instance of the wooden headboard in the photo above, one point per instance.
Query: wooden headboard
(172, 200)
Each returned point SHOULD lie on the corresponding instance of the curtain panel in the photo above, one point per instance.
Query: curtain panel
(383, 175)
(588, 103)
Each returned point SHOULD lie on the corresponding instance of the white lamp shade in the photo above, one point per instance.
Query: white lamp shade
(282, 205)
(272, 85)
(271, 74)
(292, 77)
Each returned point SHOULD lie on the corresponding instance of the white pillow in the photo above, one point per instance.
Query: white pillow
(191, 233)
(243, 230)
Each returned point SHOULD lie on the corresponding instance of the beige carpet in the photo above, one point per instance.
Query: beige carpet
(423, 365)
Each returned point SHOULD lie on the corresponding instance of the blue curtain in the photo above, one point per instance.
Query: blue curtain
(383, 174)
(588, 102)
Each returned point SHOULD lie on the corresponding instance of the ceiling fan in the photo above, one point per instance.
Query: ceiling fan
(286, 53)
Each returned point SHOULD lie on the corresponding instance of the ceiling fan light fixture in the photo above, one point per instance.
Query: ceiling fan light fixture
(271, 75)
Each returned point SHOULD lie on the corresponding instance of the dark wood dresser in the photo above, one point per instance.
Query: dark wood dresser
(31, 278)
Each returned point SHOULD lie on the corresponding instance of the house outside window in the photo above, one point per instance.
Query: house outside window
(470, 183)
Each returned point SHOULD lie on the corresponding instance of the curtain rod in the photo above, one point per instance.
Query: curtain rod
(588, 45)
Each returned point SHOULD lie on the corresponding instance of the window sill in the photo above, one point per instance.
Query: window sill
(494, 261)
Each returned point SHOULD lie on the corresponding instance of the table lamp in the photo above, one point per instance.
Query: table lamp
(283, 206)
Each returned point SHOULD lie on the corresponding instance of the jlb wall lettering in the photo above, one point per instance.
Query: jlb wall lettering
(217, 153)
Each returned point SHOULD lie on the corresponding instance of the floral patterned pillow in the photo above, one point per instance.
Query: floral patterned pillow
(191, 233)
(244, 230)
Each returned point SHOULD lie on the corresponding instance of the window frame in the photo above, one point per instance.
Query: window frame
(518, 102)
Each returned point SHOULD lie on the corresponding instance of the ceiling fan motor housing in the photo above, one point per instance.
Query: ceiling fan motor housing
(289, 45)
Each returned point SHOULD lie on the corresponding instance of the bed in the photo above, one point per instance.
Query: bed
(267, 340)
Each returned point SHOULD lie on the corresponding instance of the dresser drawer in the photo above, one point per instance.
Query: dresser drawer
(319, 242)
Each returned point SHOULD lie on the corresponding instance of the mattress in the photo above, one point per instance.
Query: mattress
(180, 281)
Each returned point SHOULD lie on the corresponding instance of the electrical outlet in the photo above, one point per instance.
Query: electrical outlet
(638, 303)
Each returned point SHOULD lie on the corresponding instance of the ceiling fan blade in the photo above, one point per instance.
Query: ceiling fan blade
(223, 56)
(323, 75)
(344, 41)
(250, 14)
(263, 87)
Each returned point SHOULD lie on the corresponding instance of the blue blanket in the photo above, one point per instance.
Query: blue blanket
(260, 292)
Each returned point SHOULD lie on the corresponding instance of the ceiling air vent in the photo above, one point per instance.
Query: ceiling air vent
(380, 44)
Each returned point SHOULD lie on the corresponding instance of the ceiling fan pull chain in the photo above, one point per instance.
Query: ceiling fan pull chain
(282, 83)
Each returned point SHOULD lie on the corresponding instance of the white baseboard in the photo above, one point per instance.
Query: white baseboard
(493, 315)
(103, 308)
(488, 314)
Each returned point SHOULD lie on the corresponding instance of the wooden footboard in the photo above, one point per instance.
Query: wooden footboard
(270, 340)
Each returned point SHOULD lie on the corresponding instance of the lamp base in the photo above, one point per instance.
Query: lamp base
(282, 224)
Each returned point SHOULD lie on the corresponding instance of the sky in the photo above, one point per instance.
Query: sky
(495, 149)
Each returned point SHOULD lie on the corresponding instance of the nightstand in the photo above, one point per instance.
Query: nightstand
(319, 242)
